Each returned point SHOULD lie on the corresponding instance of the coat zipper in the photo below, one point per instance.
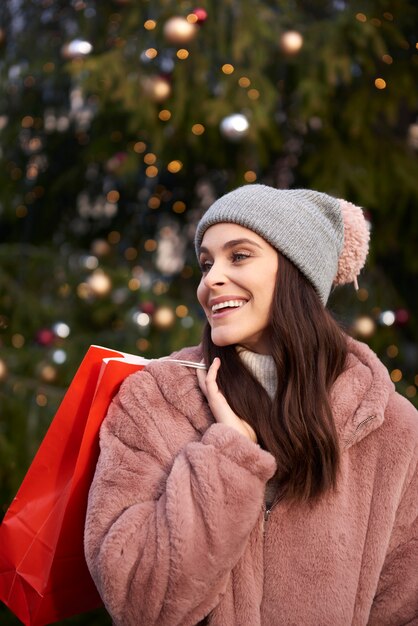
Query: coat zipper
(358, 427)
(267, 511)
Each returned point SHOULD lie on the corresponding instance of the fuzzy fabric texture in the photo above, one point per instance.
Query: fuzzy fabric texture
(175, 529)
(356, 244)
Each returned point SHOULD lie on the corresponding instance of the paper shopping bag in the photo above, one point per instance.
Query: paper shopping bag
(43, 574)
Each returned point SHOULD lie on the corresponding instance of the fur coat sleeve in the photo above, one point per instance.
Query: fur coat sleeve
(172, 504)
(396, 599)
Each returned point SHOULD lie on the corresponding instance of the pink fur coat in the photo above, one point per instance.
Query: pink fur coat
(175, 527)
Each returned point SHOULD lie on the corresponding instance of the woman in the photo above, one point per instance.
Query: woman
(280, 485)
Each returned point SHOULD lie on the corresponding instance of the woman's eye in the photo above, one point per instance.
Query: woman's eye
(205, 266)
(240, 256)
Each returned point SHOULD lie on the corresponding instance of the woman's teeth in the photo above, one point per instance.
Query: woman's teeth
(228, 304)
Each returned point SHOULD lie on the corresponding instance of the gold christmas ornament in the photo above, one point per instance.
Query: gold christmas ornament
(3, 370)
(156, 88)
(164, 317)
(364, 326)
(291, 42)
(48, 373)
(177, 30)
(99, 283)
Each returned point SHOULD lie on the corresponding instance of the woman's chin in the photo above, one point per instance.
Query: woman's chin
(221, 340)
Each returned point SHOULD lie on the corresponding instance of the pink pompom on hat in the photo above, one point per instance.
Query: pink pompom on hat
(356, 244)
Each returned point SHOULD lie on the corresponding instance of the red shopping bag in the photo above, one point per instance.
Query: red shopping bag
(43, 574)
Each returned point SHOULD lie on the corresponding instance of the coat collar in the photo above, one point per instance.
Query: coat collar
(358, 397)
(360, 394)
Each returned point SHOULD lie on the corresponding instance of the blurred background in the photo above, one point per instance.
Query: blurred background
(122, 120)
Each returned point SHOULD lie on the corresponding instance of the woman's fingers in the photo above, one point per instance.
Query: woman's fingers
(219, 406)
(211, 384)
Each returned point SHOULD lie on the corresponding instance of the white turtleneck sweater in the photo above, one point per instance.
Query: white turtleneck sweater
(262, 367)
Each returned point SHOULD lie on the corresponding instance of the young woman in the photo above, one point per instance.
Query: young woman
(279, 486)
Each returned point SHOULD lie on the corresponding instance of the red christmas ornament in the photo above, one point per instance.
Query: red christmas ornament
(45, 337)
(201, 15)
(148, 307)
(401, 316)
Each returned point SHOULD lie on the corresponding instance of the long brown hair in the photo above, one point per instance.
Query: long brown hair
(297, 426)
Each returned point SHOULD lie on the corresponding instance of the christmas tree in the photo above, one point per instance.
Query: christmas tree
(121, 121)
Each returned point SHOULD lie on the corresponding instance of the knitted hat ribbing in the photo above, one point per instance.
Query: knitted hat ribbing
(306, 226)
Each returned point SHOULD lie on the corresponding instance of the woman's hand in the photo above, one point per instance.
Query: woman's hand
(218, 404)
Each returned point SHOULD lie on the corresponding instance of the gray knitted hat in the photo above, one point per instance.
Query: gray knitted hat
(326, 238)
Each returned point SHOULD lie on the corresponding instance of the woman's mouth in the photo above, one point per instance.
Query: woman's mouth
(221, 309)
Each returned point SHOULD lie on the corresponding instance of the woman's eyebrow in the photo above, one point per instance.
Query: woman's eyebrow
(232, 243)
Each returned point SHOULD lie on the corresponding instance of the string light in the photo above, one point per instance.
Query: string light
(150, 158)
(41, 399)
(150, 24)
(113, 196)
(179, 207)
(154, 202)
(130, 254)
(198, 129)
(164, 115)
(140, 147)
(151, 171)
(227, 68)
(361, 17)
(27, 121)
(182, 54)
(380, 83)
(253, 94)
(151, 53)
(175, 166)
(182, 310)
(411, 391)
(150, 245)
(244, 81)
(250, 176)
(396, 375)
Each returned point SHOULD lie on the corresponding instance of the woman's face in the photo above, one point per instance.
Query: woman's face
(239, 271)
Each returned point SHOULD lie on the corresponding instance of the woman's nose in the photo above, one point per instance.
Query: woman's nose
(215, 276)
